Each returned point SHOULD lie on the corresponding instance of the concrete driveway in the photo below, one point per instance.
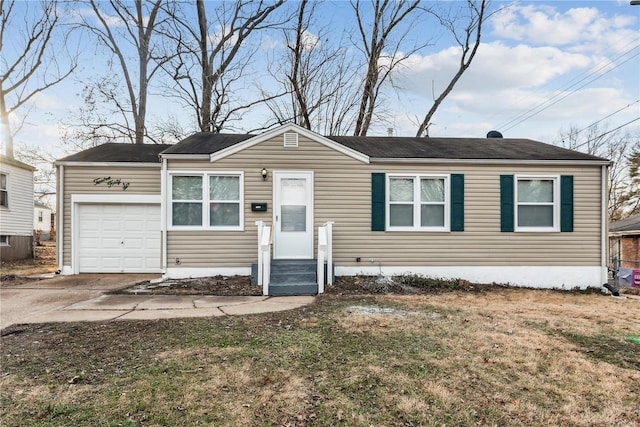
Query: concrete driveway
(26, 302)
(82, 298)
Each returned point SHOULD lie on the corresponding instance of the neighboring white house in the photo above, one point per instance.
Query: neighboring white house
(42, 220)
(16, 209)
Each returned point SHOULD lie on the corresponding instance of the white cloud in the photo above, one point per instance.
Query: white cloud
(495, 67)
(540, 24)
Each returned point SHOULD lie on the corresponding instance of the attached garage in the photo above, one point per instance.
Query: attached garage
(118, 238)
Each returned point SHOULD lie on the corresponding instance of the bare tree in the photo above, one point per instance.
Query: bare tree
(119, 25)
(317, 77)
(469, 42)
(28, 64)
(212, 57)
(632, 195)
(614, 145)
(379, 40)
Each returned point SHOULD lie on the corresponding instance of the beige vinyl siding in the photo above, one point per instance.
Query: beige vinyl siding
(342, 193)
(79, 180)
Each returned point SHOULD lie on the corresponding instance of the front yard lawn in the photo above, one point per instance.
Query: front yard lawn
(502, 357)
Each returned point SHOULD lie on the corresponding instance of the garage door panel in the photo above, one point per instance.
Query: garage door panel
(114, 238)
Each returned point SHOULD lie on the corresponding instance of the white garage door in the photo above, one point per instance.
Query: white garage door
(118, 238)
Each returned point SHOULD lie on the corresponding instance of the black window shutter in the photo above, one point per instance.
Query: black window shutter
(377, 201)
(566, 203)
(457, 202)
(506, 203)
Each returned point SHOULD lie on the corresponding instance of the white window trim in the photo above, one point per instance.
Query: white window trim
(6, 190)
(205, 201)
(417, 203)
(556, 204)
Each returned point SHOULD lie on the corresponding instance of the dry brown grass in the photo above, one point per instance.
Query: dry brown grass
(505, 357)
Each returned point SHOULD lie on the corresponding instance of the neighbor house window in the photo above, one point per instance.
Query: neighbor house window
(418, 202)
(207, 201)
(537, 206)
(4, 195)
(4, 240)
(40, 216)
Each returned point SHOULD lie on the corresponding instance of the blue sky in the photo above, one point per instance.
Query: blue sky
(570, 63)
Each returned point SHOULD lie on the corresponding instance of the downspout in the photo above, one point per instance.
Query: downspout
(605, 224)
(60, 209)
(163, 215)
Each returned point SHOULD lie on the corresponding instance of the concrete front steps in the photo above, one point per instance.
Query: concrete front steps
(290, 277)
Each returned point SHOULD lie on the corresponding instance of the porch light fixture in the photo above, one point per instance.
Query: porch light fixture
(264, 174)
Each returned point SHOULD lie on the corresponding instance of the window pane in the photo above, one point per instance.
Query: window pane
(432, 215)
(401, 215)
(187, 214)
(224, 187)
(535, 216)
(224, 214)
(3, 181)
(293, 191)
(3, 199)
(294, 218)
(432, 190)
(401, 189)
(535, 190)
(186, 188)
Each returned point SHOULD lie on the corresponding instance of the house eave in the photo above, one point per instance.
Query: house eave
(185, 156)
(489, 161)
(629, 233)
(108, 164)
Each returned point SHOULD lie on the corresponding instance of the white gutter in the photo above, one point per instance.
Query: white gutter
(109, 164)
(185, 156)
(432, 160)
(60, 209)
(163, 215)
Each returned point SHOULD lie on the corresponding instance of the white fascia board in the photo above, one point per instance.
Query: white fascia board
(289, 128)
(489, 161)
(109, 164)
(185, 156)
(629, 233)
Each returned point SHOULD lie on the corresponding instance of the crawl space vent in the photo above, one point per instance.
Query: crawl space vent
(290, 140)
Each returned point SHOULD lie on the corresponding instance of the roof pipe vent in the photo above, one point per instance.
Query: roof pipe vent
(494, 134)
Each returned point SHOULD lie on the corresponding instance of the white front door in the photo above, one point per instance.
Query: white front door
(293, 215)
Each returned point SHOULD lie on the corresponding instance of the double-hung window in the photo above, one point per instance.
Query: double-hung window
(207, 201)
(4, 194)
(418, 202)
(537, 203)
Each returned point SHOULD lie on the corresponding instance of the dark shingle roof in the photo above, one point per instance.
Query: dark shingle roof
(376, 147)
(628, 224)
(112, 152)
(459, 148)
(206, 143)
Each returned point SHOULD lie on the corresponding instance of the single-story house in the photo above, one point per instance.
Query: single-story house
(16, 209)
(42, 220)
(482, 209)
(624, 241)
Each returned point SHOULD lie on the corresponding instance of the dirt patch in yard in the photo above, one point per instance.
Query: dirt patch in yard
(18, 272)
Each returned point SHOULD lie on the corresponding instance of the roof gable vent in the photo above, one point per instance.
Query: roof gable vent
(290, 140)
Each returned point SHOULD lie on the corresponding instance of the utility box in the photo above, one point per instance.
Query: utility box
(636, 278)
